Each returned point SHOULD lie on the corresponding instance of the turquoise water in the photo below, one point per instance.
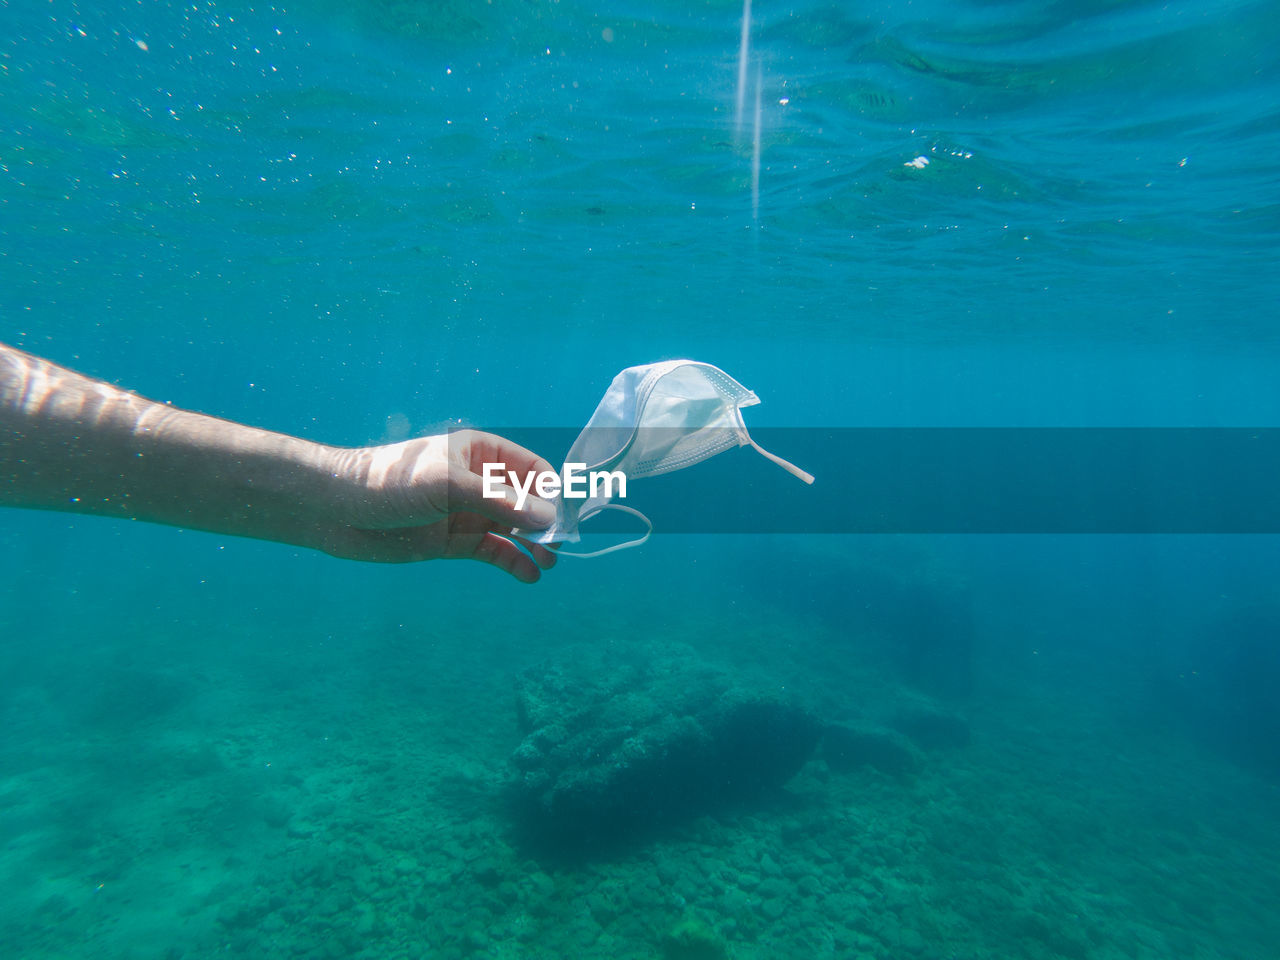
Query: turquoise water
(359, 222)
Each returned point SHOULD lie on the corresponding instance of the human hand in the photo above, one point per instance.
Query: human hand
(422, 499)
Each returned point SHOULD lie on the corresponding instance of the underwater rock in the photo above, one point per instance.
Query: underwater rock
(845, 748)
(693, 940)
(617, 740)
(932, 729)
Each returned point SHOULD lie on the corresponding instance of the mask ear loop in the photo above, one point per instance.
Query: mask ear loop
(617, 546)
(786, 465)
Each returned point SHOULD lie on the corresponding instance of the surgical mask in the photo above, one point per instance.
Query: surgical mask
(654, 419)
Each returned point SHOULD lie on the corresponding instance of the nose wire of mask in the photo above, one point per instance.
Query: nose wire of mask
(631, 431)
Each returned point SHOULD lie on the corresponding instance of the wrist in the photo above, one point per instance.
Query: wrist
(389, 485)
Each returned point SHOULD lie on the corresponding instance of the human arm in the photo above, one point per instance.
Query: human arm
(69, 442)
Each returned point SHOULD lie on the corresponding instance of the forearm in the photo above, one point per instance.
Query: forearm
(68, 442)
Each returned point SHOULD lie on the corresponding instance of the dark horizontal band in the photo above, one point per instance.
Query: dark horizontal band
(958, 480)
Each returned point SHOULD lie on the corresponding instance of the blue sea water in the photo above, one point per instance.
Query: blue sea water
(360, 222)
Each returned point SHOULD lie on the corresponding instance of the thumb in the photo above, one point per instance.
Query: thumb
(467, 492)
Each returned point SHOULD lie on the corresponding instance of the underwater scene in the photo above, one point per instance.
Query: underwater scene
(999, 277)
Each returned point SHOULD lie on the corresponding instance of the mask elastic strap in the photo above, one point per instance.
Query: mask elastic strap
(791, 468)
(617, 546)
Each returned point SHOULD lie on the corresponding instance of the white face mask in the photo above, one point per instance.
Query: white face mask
(654, 419)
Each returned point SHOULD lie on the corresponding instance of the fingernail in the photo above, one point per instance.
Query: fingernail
(541, 513)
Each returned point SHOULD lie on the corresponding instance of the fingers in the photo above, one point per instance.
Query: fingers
(506, 556)
(470, 538)
(498, 551)
(467, 493)
(465, 536)
(490, 448)
(518, 465)
(543, 556)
